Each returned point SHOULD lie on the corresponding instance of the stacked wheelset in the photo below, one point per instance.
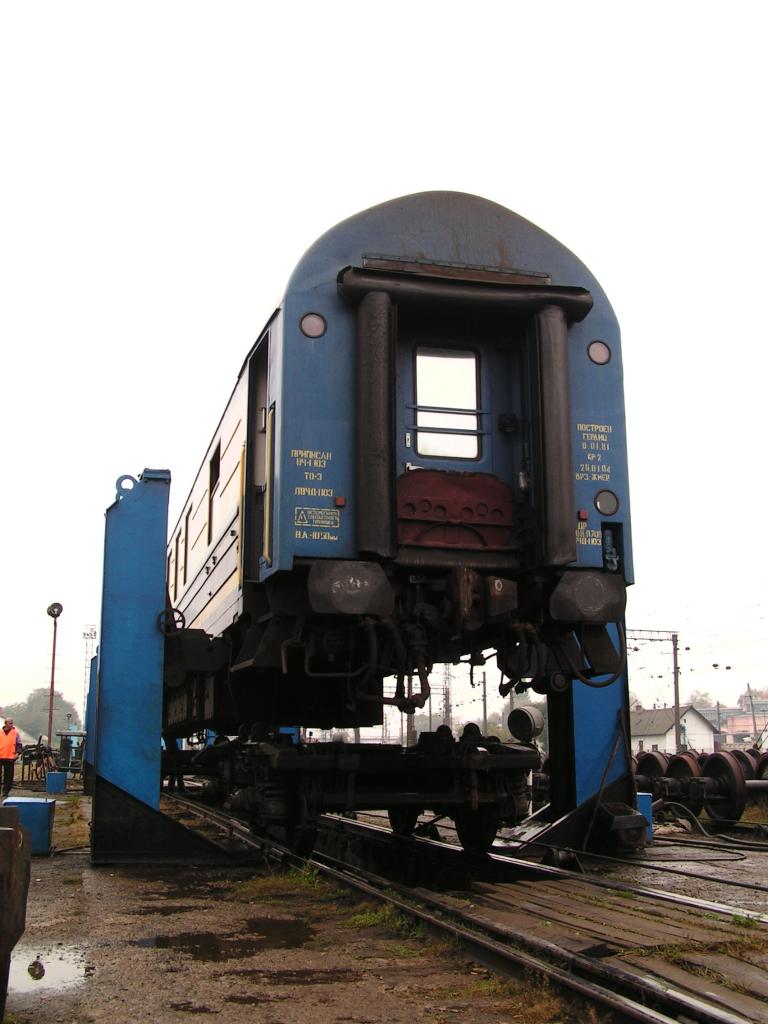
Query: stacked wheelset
(719, 783)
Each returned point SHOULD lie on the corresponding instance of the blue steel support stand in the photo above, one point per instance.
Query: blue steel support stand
(126, 704)
(592, 790)
(591, 785)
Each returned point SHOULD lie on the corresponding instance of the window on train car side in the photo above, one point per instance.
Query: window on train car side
(214, 467)
(447, 393)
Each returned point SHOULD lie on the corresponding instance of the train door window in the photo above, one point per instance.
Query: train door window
(214, 467)
(176, 549)
(447, 403)
(260, 370)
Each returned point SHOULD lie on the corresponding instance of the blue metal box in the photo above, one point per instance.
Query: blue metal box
(645, 806)
(36, 814)
(55, 782)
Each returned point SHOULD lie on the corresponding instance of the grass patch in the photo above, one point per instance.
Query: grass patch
(741, 947)
(304, 881)
(755, 813)
(527, 1000)
(71, 828)
(388, 918)
(744, 922)
(404, 950)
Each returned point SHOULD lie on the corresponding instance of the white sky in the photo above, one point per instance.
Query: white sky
(164, 166)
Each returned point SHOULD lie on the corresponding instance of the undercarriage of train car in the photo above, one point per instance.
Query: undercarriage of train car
(342, 639)
(335, 667)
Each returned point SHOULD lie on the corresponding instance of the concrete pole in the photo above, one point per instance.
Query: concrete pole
(676, 678)
(752, 705)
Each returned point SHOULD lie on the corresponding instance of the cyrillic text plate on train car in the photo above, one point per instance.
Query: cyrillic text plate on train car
(327, 518)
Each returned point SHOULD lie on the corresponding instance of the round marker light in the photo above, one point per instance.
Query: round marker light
(599, 352)
(313, 325)
(606, 503)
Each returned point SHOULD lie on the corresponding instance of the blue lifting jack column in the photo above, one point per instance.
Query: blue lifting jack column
(128, 705)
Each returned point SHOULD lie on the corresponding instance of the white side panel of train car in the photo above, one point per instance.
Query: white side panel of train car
(204, 551)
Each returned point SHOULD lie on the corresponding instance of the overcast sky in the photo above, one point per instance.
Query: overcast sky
(165, 165)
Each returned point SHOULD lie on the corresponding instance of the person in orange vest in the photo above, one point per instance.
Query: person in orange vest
(10, 747)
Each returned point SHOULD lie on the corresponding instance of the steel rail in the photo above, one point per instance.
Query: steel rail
(678, 899)
(494, 939)
(473, 938)
(709, 906)
(469, 928)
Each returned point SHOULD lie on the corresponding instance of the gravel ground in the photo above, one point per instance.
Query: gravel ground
(702, 871)
(169, 944)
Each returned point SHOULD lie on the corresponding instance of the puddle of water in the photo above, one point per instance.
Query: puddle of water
(333, 975)
(280, 933)
(265, 933)
(194, 882)
(253, 1000)
(36, 968)
(154, 911)
(191, 1008)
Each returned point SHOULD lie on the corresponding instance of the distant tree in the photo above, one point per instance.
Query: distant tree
(700, 699)
(31, 715)
(421, 723)
(497, 724)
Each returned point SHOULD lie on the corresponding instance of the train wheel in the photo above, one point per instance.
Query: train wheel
(726, 800)
(477, 829)
(761, 773)
(747, 762)
(652, 764)
(301, 839)
(685, 767)
(402, 820)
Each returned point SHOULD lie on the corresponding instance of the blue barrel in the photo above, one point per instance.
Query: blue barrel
(36, 814)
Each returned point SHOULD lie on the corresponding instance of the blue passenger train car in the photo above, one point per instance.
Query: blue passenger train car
(423, 461)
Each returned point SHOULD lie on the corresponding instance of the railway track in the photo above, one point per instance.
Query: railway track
(645, 954)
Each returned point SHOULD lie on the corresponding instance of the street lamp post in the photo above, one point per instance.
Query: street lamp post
(54, 610)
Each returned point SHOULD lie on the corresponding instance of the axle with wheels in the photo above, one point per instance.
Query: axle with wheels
(719, 783)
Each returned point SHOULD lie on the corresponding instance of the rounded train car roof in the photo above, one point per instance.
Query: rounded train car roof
(449, 228)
